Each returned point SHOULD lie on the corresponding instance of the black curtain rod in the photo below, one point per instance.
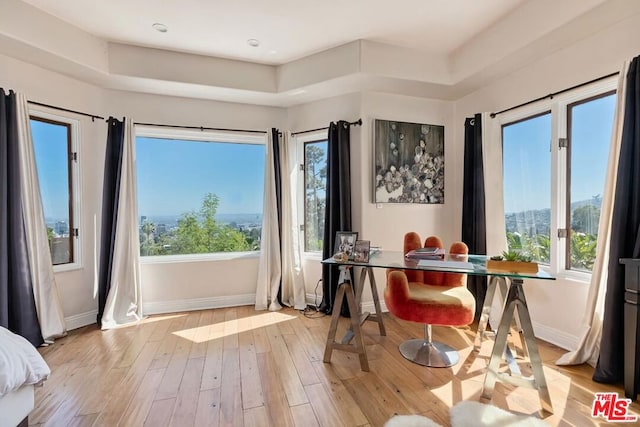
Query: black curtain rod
(201, 128)
(93, 116)
(551, 95)
(356, 123)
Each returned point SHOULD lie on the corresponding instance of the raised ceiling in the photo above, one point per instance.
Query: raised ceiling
(309, 50)
(287, 29)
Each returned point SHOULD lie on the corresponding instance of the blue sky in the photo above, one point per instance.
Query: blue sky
(50, 148)
(174, 175)
(527, 156)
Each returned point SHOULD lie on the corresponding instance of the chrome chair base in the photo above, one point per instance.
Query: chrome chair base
(431, 354)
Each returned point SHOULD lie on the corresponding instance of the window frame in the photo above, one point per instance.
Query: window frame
(300, 143)
(520, 119)
(74, 173)
(559, 107)
(569, 108)
(252, 138)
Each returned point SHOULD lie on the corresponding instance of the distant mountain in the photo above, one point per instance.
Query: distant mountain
(515, 221)
(239, 218)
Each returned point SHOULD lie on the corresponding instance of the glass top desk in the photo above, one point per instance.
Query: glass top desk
(515, 312)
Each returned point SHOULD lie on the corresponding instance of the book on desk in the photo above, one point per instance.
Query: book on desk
(426, 253)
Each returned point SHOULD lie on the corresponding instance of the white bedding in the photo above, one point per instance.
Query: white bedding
(20, 363)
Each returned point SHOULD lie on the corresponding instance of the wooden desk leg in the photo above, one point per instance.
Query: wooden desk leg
(357, 331)
(335, 316)
(376, 301)
(358, 345)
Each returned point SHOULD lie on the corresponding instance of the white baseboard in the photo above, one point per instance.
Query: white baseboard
(313, 299)
(366, 305)
(159, 307)
(370, 307)
(79, 320)
(555, 336)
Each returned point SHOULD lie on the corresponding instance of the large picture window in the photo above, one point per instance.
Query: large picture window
(554, 164)
(198, 192)
(56, 160)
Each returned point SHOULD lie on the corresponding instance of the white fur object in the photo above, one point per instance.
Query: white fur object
(476, 414)
(410, 421)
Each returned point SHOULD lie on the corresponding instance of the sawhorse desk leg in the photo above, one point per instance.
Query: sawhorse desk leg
(357, 318)
(516, 306)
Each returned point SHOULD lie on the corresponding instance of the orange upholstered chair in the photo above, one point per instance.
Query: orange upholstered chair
(432, 298)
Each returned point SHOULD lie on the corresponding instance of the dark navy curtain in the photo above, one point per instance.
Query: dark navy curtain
(17, 303)
(474, 231)
(110, 197)
(277, 173)
(338, 208)
(625, 233)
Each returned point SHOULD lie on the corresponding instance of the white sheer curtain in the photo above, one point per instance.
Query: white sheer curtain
(45, 290)
(589, 344)
(293, 287)
(494, 197)
(270, 268)
(124, 301)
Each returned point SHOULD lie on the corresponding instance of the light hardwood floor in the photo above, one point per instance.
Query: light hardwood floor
(240, 367)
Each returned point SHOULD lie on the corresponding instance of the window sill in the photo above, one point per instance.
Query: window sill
(62, 268)
(574, 276)
(174, 259)
(312, 256)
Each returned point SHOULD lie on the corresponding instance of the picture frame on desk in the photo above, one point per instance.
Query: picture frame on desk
(361, 251)
(345, 243)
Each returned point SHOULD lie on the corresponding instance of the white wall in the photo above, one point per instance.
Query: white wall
(76, 287)
(556, 307)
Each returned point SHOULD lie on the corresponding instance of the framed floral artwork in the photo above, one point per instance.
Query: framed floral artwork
(409, 162)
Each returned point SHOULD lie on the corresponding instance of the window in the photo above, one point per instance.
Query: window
(315, 183)
(589, 124)
(199, 192)
(554, 163)
(527, 189)
(55, 150)
(312, 155)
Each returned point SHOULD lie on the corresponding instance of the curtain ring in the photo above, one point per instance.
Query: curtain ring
(472, 122)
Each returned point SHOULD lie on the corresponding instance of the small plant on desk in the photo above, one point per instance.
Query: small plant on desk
(512, 261)
(512, 256)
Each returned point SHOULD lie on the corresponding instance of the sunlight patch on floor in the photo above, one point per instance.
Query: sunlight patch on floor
(151, 319)
(158, 318)
(230, 327)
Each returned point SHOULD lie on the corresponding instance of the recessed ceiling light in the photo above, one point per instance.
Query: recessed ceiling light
(253, 42)
(160, 27)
